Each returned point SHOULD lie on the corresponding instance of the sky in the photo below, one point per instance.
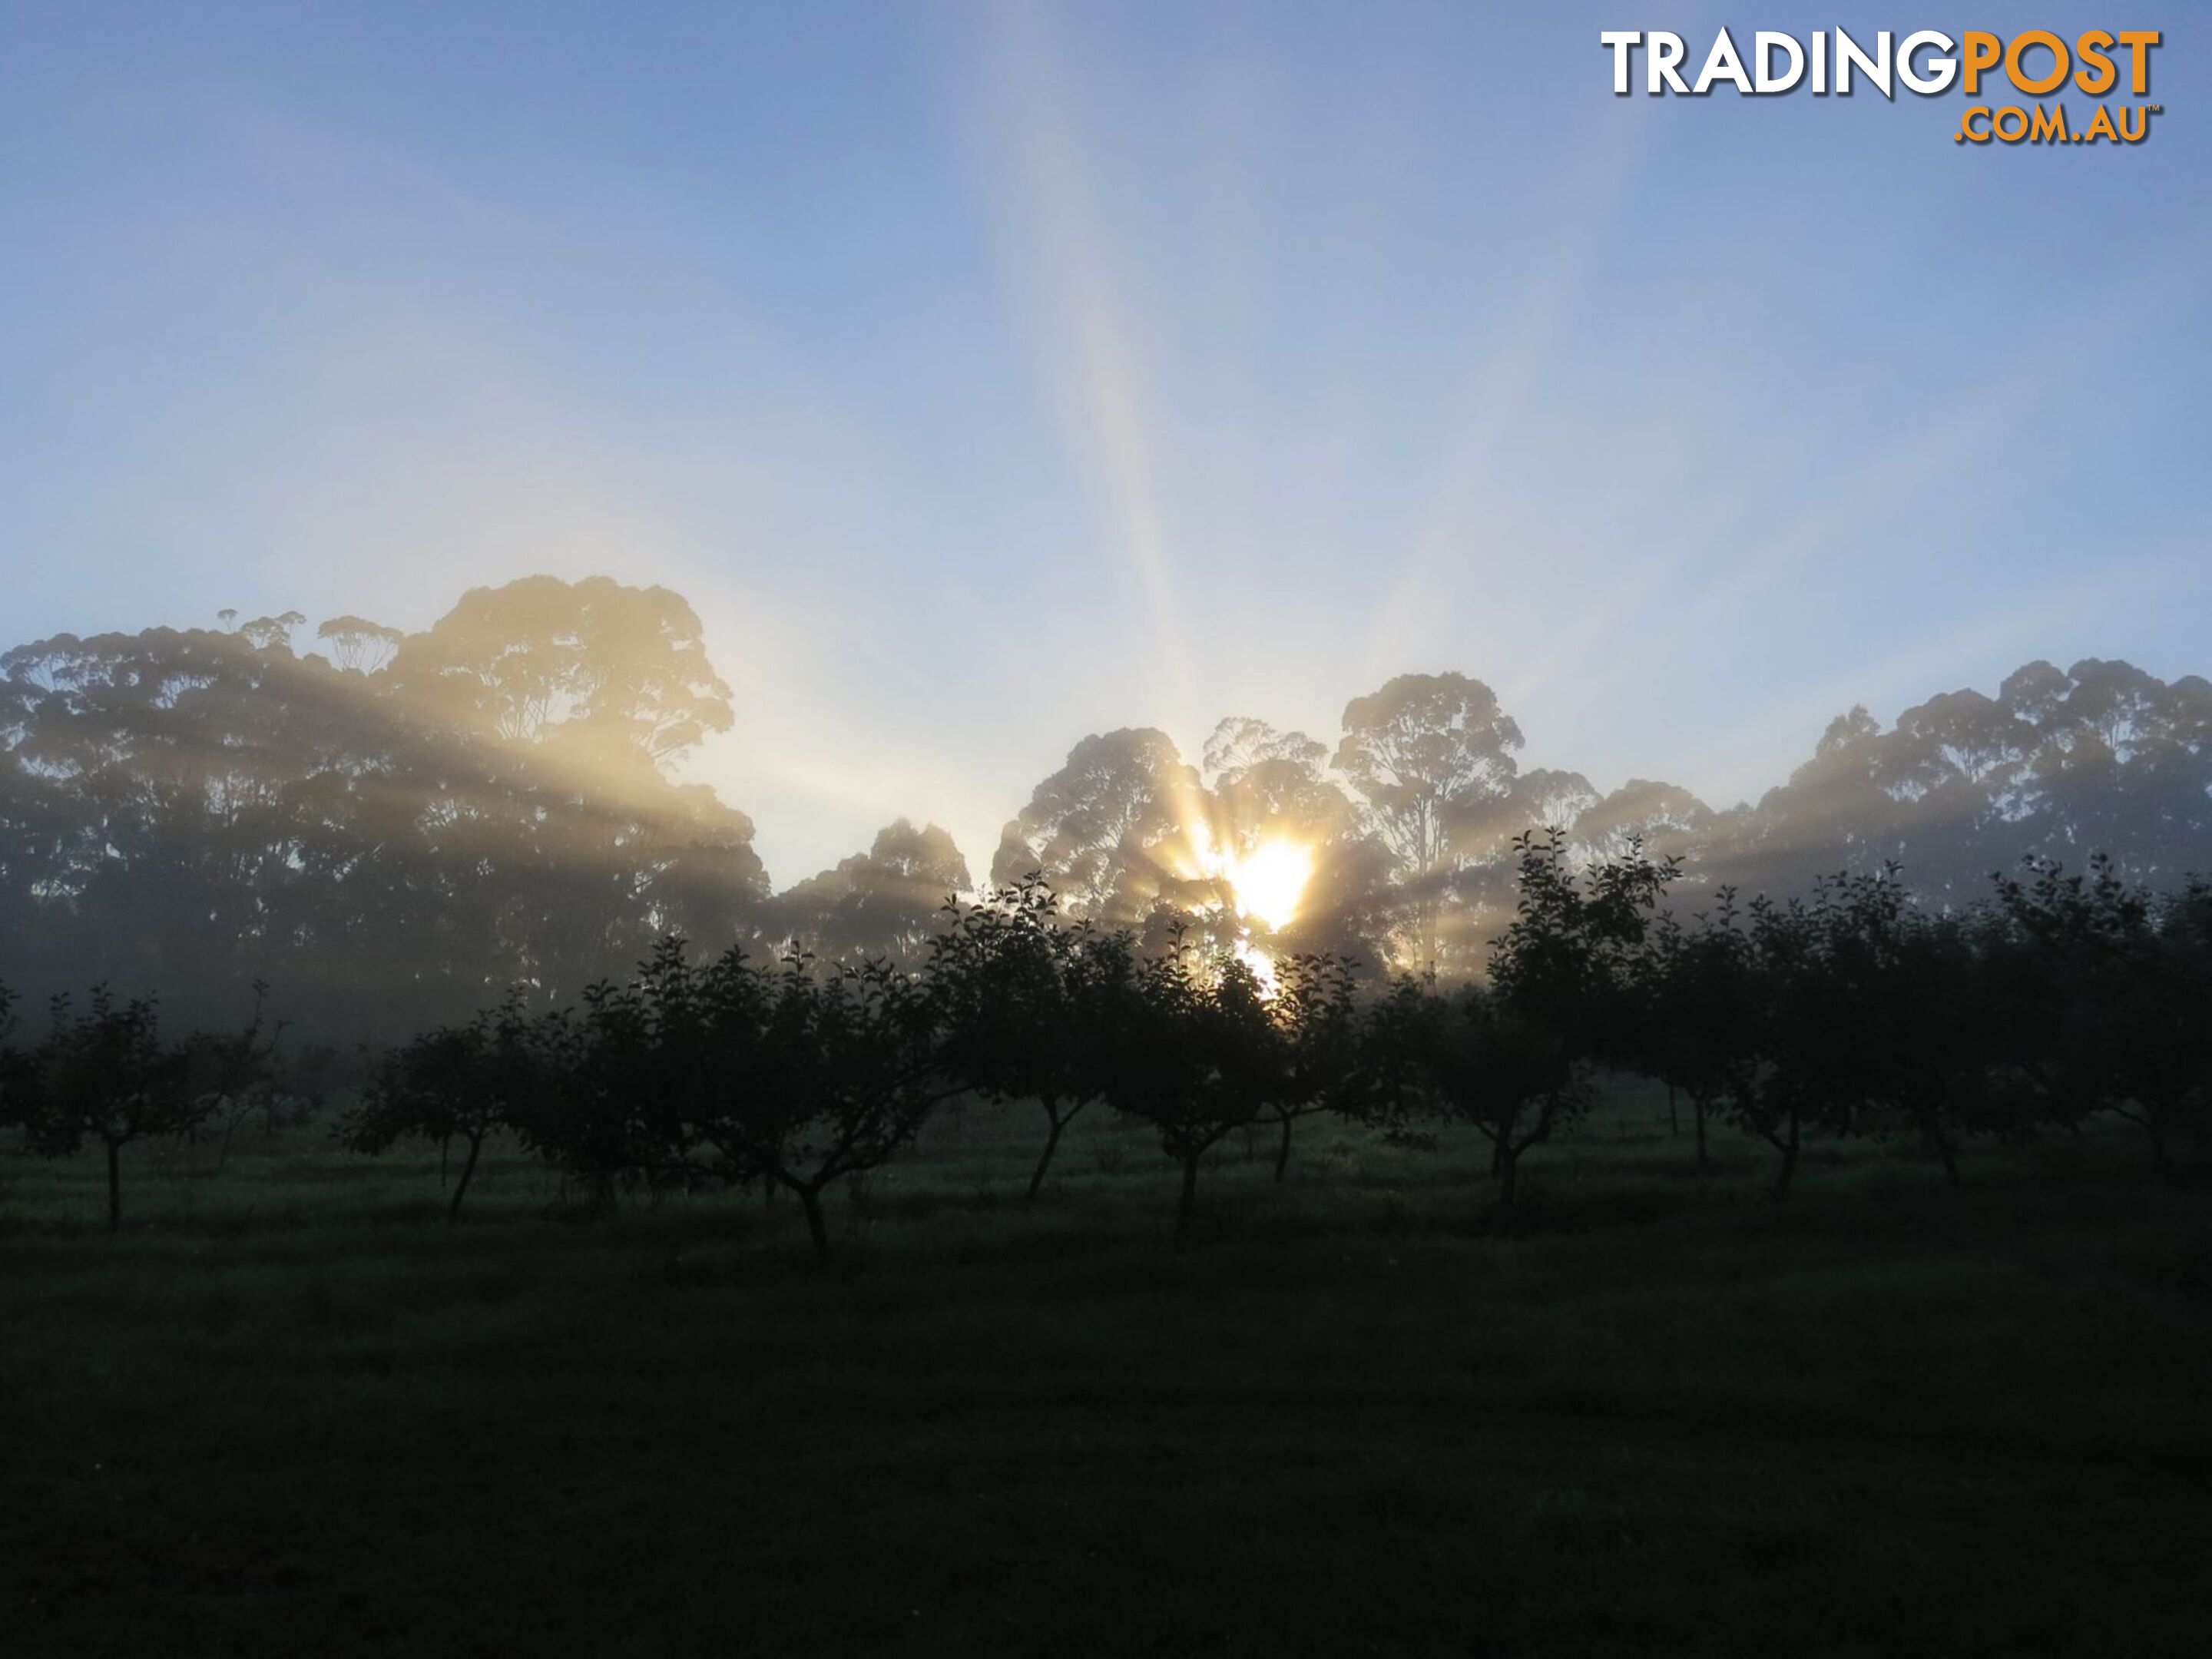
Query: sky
(987, 375)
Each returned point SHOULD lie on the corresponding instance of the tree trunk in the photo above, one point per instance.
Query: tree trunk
(810, 1198)
(1944, 1149)
(2155, 1127)
(1051, 1143)
(114, 1186)
(445, 1157)
(461, 1189)
(1704, 1164)
(1283, 1150)
(1788, 1151)
(1189, 1201)
(1497, 1157)
(1509, 1181)
(1674, 1119)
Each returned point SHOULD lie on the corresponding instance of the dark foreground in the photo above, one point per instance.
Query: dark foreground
(288, 1412)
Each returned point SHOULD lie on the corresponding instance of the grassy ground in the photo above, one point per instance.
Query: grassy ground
(288, 1411)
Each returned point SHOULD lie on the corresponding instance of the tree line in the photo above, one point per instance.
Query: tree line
(1853, 1011)
(397, 826)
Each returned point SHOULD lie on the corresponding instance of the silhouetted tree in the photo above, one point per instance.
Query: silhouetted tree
(1268, 788)
(1664, 820)
(1193, 1043)
(614, 678)
(1466, 1058)
(236, 1073)
(2101, 755)
(197, 809)
(19, 1076)
(1909, 1027)
(1023, 994)
(1110, 830)
(358, 646)
(1431, 757)
(1513, 1059)
(2107, 1007)
(1192, 1050)
(460, 1082)
(315, 1074)
(841, 1069)
(886, 901)
(1698, 1035)
(106, 1075)
(1322, 1059)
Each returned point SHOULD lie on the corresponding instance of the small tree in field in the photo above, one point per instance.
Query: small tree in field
(236, 1073)
(310, 1077)
(1021, 991)
(2107, 1001)
(641, 1077)
(1192, 1049)
(462, 1082)
(1738, 1015)
(105, 1076)
(809, 1077)
(1467, 1058)
(2187, 936)
(19, 1077)
(1908, 1027)
(1512, 1060)
(1322, 1060)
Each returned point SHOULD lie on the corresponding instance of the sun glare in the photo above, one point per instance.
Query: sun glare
(1269, 881)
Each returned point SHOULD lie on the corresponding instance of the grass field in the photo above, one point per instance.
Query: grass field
(288, 1411)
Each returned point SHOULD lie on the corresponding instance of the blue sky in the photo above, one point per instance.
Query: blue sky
(990, 374)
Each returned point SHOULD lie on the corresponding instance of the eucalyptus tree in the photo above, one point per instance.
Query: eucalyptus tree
(1663, 819)
(1111, 831)
(2100, 755)
(396, 839)
(358, 646)
(888, 902)
(616, 679)
(1430, 756)
(1270, 793)
(1264, 784)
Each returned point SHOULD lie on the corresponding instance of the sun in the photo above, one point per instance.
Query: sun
(1269, 881)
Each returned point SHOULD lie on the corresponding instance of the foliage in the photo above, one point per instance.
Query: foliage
(1023, 993)
(457, 1082)
(1195, 1046)
(105, 1076)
